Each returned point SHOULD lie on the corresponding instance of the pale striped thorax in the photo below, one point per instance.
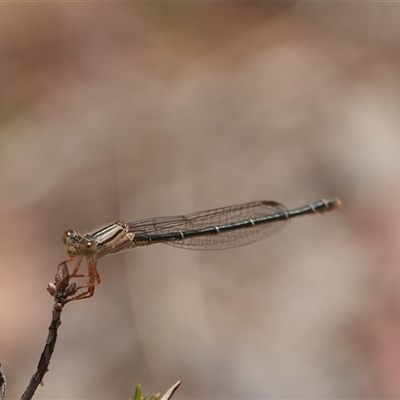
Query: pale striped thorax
(96, 244)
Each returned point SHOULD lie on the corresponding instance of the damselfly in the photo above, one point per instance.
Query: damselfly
(216, 229)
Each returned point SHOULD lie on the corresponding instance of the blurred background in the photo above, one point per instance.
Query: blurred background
(130, 110)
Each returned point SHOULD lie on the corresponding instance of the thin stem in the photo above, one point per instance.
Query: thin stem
(2, 384)
(61, 289)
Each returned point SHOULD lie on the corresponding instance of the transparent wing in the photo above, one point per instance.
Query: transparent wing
(219, 217)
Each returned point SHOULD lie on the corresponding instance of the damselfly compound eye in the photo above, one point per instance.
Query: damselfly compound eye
(70, 236)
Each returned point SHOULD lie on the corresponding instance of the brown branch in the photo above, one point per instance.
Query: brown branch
(2, 384)
(61, 289)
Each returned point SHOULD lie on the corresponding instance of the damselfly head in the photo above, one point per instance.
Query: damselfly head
(73, 241)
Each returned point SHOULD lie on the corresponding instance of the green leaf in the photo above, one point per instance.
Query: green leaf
(138, 394)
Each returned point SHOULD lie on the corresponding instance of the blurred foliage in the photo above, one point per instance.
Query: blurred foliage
(138, 394)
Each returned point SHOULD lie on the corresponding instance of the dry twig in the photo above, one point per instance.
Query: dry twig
(61, 289)
(2, 384)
